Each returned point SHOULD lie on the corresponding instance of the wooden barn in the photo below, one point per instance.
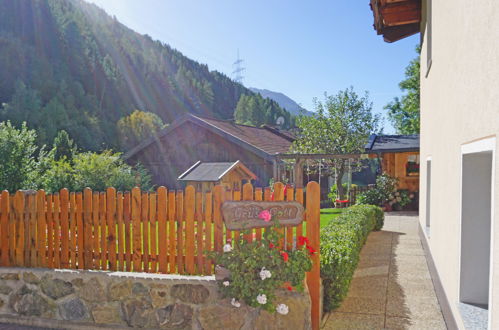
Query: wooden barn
(193, 138)
(399, 157)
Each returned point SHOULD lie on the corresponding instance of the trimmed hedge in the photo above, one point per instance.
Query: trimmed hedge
(341, 242)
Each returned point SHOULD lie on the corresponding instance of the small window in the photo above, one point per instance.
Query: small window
(412, 165)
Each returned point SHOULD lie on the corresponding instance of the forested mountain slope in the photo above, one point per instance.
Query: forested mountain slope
(66, 64)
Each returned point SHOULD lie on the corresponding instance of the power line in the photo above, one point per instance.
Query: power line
(238, 69)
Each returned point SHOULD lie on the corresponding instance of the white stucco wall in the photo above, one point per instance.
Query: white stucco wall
(459, 105)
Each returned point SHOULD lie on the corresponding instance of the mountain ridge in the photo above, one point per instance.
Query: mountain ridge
(283, 100)
(72, 66)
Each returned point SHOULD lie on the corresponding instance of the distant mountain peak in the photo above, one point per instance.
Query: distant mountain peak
(283, 100)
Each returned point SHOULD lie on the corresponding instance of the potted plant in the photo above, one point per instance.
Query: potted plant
(251, 272)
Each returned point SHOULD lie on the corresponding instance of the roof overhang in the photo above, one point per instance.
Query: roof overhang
(396, 19)
(200, 122)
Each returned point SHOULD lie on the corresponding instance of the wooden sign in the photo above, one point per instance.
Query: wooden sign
(244, 214)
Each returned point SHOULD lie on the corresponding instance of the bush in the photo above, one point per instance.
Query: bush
(386, 185)
(341, 242)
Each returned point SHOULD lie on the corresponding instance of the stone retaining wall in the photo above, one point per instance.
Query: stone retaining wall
(86, 299)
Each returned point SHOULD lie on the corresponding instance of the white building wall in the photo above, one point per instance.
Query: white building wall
(459, 105)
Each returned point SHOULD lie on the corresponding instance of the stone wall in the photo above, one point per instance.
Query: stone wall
(86, 299)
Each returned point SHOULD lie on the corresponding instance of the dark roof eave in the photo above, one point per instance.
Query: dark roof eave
(381, 151)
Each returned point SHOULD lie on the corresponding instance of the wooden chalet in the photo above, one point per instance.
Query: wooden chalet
(192, 138)
(396, 19)
(399, 157)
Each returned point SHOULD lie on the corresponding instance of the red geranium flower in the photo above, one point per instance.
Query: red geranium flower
(271, 246)
(285, 256)
(310, 249)
(290, 288)
(302, 240)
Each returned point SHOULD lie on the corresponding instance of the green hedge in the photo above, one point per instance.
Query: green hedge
(341, 241)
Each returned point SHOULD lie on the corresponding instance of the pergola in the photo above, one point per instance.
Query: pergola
(301, 158)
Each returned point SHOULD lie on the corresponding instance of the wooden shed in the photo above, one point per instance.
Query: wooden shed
(204, 175)
(399, 157)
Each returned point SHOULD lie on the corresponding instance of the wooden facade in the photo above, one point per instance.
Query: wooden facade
(396, 165)
(205, 176)
(191, 140)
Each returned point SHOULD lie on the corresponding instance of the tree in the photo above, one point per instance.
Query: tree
(137, 127)
(341, 125)
(107, 169)
(64, 146)
(17, 157)
(404, 112)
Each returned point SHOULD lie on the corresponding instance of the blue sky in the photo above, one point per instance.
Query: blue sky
(299, 48)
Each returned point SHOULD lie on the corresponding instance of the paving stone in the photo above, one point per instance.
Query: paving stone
(368, 286)
(347, 321)
(396, 323)
(413, 307)
(364, 305)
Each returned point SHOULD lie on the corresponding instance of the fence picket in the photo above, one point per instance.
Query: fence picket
(103, 230)
(258, 197)
(88, 242)
(57, 231)
(248, 196)
(180, 231)
(80, 232)
(152, 232)
(199, 220)
(72, 226)
(217, 218)
(190, 200)
(4, 229)
(96, 256)
(64, 233)
(31, 238)
(111, 227)
(127, 217)
(120, 239)
(279, 196)
(137, 238)
(162, 238)
(50, 231)
(289, 230)
(144, 219)
(172, 242)
(208, 230)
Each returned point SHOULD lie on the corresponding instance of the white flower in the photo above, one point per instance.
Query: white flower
(235, 303)
(226, 283)
(264, 273)
(399, 199)
(262, 299)
(227, 248)
(390, 197)
(282, 309)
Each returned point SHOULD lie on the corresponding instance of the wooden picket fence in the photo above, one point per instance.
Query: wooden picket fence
(156, 232)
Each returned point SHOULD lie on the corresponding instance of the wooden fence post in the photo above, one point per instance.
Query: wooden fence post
(313, 234)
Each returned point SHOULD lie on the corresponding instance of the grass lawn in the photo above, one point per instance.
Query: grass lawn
(328, 214)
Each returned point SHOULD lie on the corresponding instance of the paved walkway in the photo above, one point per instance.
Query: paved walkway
(392, 287)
